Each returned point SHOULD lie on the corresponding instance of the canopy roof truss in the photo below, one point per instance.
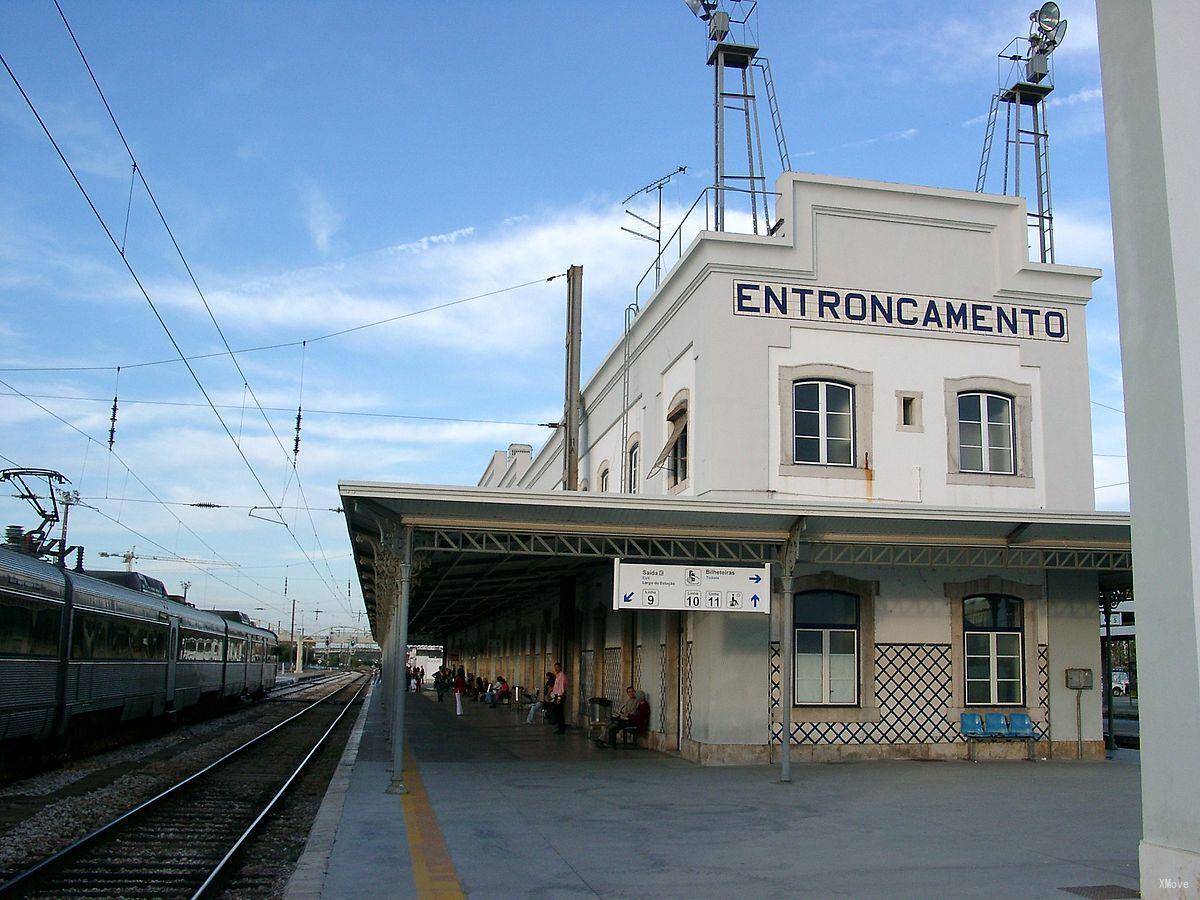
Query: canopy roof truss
(477, 551)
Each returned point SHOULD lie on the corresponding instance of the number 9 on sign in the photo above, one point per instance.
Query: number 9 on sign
(650, 598)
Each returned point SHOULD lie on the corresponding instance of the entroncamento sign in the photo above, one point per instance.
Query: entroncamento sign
(776, 300)
(699, 588)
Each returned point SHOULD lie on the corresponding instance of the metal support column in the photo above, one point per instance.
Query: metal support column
(571, 412)
(719, 143)
(400, 654)
(1110, 743)
(786, 679)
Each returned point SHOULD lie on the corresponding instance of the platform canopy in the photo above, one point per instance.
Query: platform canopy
(477, 550)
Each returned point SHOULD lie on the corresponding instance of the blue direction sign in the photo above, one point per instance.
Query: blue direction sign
(706, 588)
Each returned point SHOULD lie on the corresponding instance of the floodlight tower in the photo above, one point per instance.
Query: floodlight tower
(741, 56)
(1024, 80)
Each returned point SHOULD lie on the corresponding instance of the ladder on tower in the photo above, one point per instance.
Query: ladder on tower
(987, 144)
(776, 119)
(1045, 215)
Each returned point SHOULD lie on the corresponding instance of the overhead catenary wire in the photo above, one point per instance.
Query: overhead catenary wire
(176, 558)
(131, 473)
(310, 411)
(153, 307)
(212, 316)
(285, 344)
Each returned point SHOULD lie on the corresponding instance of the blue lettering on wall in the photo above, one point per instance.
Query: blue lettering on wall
(862, 307)
(978, 310)
(882, 312)
(794, 301)
(802, 296)
(828, 300)
(770, 298)
(1006, 317)
(1056, 324)
(743, 299)
(956, 316)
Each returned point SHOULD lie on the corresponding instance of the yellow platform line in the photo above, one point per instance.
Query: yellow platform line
(433, 870)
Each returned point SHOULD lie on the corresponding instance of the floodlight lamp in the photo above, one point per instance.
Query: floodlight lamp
(701, 9)
(1048, 17)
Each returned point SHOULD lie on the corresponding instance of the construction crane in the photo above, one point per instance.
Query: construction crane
(131, 554)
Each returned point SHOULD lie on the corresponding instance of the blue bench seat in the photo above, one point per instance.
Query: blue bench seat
(995, 726)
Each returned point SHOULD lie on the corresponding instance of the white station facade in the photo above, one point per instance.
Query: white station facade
(882, 409)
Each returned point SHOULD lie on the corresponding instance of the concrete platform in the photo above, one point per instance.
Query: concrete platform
(502, 809)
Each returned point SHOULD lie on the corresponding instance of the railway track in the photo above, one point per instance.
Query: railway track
(183, 841)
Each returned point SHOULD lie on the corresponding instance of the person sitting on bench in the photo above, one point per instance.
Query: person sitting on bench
(633, 714)
(499, 693)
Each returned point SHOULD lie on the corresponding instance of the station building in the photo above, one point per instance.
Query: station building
(886, 401)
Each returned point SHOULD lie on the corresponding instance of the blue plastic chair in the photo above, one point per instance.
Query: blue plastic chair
(971, 725)
(995, 725)
(1022, 729)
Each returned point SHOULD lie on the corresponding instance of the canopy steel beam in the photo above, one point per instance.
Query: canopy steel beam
(979, 557)
(530, 543)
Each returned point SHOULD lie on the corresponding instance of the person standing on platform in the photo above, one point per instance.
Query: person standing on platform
(460, 688)
(558, 697)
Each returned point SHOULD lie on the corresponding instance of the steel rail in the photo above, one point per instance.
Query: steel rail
(266, 810)
(29, 875)
(285, 690)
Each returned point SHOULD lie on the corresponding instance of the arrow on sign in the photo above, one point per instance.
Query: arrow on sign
(756, 578)
(628, 598)
(754, 600)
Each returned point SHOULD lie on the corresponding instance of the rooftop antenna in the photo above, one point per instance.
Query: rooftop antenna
(656, 225)
(1024, 79)
(740, 55)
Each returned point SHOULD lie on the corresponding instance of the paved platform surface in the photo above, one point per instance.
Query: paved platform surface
(502, 809)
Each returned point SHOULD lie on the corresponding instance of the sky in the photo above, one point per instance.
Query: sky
(326, 165)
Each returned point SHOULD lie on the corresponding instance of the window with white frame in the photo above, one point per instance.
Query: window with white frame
(823, 423)
(985, 433)
(633, 459)
(993, 638)
(825, 644)
(602, 481)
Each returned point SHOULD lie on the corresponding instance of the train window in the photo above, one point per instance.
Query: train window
(237, 650)
(258, 651)
(196, 646)
(99, 636)
(28, 627)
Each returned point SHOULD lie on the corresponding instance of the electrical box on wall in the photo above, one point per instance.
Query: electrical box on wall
(1080, 679)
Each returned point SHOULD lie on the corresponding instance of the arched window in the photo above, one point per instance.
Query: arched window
(825, 643)
(823, 423)
(985, 433)
(633, 468)
(602, 480)
(993, 638)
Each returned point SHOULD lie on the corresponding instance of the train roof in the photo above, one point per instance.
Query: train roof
(31, 575)
(111, 591)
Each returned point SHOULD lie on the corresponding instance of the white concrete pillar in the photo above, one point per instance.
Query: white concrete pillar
(1151, 79)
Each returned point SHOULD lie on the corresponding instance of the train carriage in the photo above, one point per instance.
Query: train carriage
(199, 658)
(31, 634)
(75, 646)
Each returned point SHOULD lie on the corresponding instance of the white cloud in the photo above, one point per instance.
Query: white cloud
(1083, 236)
(1086, 95)
(321, 219)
